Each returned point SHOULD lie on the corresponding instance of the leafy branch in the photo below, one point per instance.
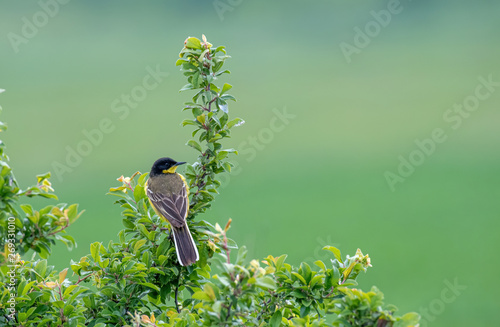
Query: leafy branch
(137, 280)
(202, 64)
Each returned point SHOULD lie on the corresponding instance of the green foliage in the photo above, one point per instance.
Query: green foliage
(202, 64)
(367, 309)
(137, 281)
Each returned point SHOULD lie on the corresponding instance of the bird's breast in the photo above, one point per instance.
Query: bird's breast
(166, 184)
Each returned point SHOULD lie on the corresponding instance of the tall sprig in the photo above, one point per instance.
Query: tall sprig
(202, 64)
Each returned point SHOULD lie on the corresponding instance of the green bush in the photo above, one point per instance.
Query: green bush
(137, 281)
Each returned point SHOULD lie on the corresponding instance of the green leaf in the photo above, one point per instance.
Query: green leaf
(202, 55)
(200, 295)
(142, 179)
(315, 280)
(320, 264)
(408, 320)
(27, 209)
(186, 87)
(230, 151)
(329, 279)
(139, 192)
(189, 67)
(275, 320)
(279, 261)
(192, 43)
(350, 282)
(214, 88)
(150, 285)
(221, 155)
(180, 62)
(298, 294)
(26, 288)
(335, 251)
(196, 80)
(298, 276)
(220, 49)
(227, 166)
(304, 311)
(73, 214)
(68, 309)
(68, 290)
(143, 229)
(335, 274)
(197, 95)
(228, 97)
(209, 291)
(215, 138)
(194, 145)
(201, 118)
(266, 282)
(139, 244)
(235, 122)
(217, 66)
(226, 88)
(94, 251)
(41, 268)
(223, 72)
(43, 250)
(242, 253)
(223, 105)
(306, 272)
(189, 122)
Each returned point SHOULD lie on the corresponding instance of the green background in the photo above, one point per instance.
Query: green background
(317, 181)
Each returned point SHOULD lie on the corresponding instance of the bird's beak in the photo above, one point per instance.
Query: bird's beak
(180, 163)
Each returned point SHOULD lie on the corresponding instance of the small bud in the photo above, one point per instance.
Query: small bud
(363, 259)
(145, 319)
(62, 275)
(228, 225)
(212, 246)
(50, 285)
(255, 264)
(46, 186)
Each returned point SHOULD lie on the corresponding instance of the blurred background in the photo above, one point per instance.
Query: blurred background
(337, 96)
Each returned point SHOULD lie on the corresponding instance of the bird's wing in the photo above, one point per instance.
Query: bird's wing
(172, 207)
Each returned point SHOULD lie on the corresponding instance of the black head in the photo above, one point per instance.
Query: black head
(164, 166)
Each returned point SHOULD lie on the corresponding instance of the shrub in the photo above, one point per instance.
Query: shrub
(137, 281)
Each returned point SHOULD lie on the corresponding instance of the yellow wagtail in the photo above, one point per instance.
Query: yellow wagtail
(168, 194)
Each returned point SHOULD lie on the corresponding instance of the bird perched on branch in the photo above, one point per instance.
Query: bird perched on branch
(168, 194)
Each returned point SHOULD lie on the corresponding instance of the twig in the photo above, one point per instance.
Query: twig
(228, 313)
(59, 230)
(317, 311)
(177, 292)
(82, 279)
(227, 249)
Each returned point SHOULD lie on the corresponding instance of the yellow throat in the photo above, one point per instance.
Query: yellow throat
(170, 170)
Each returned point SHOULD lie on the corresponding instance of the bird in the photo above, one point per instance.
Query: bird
(168, 194)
